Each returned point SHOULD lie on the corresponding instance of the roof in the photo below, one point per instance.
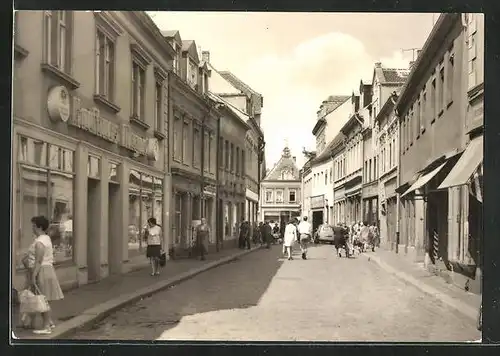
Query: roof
(286, 163)
(240, 85)
(169, 33)
(337, 140)
(238, 113)
(190, 47)
(393, 75)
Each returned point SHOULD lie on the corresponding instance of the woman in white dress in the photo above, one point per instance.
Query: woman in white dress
(290, 237)
(44, 276)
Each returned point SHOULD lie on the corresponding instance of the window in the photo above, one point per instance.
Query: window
(45, 187)
(375, 168)
(326, 177)
(192, 72)
(177, 138)
(220, 152)
(185, 143)
(196, 147)
(292, 196)
(432, 106)
(93, 167)
(331, 175)
(243, 163)
(228, 155)
(145, 201)
(237, 161)
(418, 120)
(411, 124)
(279, 196)
(472, 54)
(440, 97)
(370, 177)
(449, 77)
(424, 111)
(390, 155)
(57, 39)
(138, 85)
(269, 196)
(206, 152)
(213, 153)
(231, 161)
(158, 106)
(105, 66)
(403, 133)
(176, 63)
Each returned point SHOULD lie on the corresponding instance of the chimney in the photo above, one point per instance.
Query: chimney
(205, 56)
(378, 65)
(295, 159)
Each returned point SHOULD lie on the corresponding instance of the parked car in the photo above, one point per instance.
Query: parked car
(324, 234)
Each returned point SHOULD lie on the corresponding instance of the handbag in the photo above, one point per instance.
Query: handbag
(33, 302)
(163, 259)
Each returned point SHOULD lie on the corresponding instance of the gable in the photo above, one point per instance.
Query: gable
(286, 169)
(190, 48)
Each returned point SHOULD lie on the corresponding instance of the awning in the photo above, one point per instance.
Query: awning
(423, 180)
(466, 165)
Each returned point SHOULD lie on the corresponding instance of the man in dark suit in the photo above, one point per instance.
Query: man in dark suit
(340, 240)
(267, 234)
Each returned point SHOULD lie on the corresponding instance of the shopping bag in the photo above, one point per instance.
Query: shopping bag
(33, 303)
(163, 259)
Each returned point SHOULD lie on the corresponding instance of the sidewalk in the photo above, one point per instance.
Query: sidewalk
(91, 302)
(415, 274)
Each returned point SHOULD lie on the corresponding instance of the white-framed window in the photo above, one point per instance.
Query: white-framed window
(105, 65)
(138, 88)
(440, 94)
(57, 39)
(279, 195)
(269, 196)
(292, 195)
(196, 146)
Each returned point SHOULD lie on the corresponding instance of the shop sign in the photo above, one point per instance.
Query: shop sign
(90, 120)
(58, 104)
(317, 201)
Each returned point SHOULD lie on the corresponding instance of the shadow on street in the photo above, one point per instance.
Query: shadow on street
(237, 285)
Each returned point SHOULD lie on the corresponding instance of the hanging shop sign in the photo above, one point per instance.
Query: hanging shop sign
(90, 120)
(58, 104)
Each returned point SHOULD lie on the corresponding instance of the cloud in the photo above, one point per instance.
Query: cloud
(295, 83)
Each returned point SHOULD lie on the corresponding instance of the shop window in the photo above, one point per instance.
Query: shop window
(145, 201)
(48, 191)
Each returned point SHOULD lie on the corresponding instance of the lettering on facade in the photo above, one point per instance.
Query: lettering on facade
(90, 120)
(318, 201)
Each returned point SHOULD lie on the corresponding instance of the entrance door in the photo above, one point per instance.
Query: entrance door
(93, 233)
(317, 219)
(114, 237)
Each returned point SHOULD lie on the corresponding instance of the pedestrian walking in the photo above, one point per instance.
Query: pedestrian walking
(305, 232)
(244, 235)
(375, 236)
(289, 238)
(153, 237)
(340, 237)
(267, 234)
(44, 279)
(202, 234)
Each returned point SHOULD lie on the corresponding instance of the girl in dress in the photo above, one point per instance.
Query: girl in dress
(44, 278)
(154, 241)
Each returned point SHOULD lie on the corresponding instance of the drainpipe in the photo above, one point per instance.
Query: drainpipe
(260, 157)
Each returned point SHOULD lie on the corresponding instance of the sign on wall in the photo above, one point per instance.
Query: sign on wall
(58, 104)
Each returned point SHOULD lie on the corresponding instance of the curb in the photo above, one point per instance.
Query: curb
(463, 308)
(101, 311)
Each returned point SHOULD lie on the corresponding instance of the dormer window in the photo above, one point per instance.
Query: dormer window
(176, 63)
(192, 77)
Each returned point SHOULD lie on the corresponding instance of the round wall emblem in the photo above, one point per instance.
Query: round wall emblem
(153, 149)
(58, 104)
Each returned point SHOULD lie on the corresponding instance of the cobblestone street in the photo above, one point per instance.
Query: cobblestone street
(262, 297)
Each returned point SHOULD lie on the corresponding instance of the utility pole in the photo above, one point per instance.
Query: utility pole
(413, 50)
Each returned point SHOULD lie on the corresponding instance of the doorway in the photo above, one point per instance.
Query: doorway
(317, 219)
(114, 236)
(93, 233)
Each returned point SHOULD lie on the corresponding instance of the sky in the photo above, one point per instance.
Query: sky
(296, 60)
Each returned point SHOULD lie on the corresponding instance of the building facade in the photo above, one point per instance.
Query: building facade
(353, 151)
(431, 113)
(280, 194)
(89, 152)
(386, 172)
(193, 146)
(306, 184)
